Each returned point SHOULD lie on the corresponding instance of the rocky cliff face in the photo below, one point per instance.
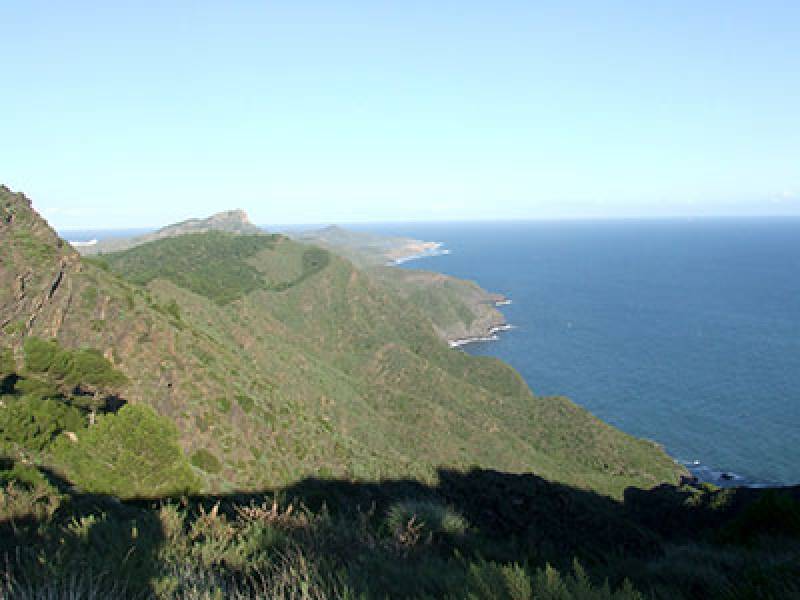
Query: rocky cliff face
(36, 269)
(232, 221)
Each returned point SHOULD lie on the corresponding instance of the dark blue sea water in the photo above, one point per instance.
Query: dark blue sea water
(683, 332)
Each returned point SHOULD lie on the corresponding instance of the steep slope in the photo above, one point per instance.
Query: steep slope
(281, 361)
(458, 309)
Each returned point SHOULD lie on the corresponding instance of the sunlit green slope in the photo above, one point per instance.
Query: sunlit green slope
(276, 360)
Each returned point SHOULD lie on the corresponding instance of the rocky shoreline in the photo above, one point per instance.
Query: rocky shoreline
(491, 333)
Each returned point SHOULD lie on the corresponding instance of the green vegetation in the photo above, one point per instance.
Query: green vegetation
(424, 519)
(71, 368)
(133, 453)
(51, 396)
(15, 328)
(336, 372)
(8, 368)
(35, 250)
(246, 403)
(217, 265)
(380, 462)
(43, 417)
(213, 264)
(205, 460)
(478, 534)
(33, 423)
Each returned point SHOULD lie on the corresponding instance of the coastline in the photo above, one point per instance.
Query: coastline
(697, 471)
(490, 333)
(491, 336)
(428, 250)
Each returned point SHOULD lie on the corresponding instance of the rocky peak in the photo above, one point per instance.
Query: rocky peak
(234, 221)
(35, 264)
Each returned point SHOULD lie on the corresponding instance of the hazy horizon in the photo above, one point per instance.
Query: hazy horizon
(122, 115)
(362, 225)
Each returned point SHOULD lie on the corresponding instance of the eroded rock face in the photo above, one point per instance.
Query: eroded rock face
(35, 265)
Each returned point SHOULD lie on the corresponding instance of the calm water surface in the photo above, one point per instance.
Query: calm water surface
(684, 332)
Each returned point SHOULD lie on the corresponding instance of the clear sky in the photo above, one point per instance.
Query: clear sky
(126, 114)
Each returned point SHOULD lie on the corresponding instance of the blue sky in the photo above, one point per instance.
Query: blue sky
(117, 114)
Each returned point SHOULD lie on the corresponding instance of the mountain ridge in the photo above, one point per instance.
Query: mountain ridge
(310, 431)
(320, 368)
(233, 221)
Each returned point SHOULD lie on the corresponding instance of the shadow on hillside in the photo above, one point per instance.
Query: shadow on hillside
(512, 517)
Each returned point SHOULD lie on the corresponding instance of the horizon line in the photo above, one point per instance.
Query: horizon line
(687, 217)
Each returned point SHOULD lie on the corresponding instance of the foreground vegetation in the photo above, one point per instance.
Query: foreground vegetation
(476, 534)
(233, 416)
(108, 507)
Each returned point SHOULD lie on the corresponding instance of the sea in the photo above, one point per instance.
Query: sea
(684, 332)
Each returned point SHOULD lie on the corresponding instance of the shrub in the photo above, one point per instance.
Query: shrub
(205, 460)
(431, 517)
(173, 309)
(224, 404)
(491, 581)
(15, 327)
(34, 423)
(7, 363)
(245, 402)
(133, 453)
(39, 354)
(87, 367)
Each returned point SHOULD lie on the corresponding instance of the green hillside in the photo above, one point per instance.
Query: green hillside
(219, 415)
(282, 361)
(458, 309)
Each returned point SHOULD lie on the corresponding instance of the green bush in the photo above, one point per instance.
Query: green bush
(7, 364)
(245, 402)
(24, 476)
(40, 354)
(133, 453)
(432, 517)
(33, 423)
(173, 309)
(205, 460)
(39, 388)
(71, 368)
(15, 327)
(224, 404)
(8, 370)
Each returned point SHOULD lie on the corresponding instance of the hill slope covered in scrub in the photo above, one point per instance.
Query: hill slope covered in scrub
(235, 415)
(458, 309)
(281, 360)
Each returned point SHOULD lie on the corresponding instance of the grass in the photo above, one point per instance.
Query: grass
(206, 460)
(214, 265)
(363, 541)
